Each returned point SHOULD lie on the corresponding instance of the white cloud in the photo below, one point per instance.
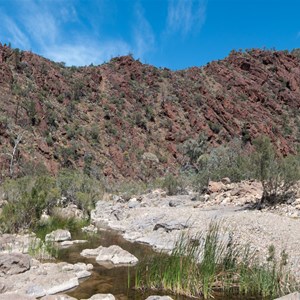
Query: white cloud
(84, 53)
(16, 36)
(40, 22)
(185, 16)
(43, 26)
(143, 34)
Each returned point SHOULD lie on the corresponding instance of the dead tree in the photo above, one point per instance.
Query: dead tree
(12, 155)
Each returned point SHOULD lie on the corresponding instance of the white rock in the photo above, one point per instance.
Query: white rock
(58, 297)
(58, 235)
(116, 255)
(45, 279)
(113, 254)
(70, 243)
(102, 297)
(90, 229)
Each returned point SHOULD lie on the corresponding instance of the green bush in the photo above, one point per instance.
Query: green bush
(230, 160)
(28, 197)
(57, 222)
(278, 175)
(173, 185)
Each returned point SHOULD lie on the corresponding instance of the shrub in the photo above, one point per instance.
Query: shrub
(79, 189)
(278, 175)
(194, 149)
(230, 160)
(28, 197)
(57, 222)
(173, 185)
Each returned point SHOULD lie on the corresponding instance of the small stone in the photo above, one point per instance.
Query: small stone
(83, 274)
(175, 203)
(90, 229)
(133, 203)
(159, 298)
(226, 180)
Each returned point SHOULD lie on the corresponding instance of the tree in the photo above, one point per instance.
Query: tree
(278, 175)
(12, 155)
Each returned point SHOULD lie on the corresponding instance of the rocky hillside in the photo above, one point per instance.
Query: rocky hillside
(118, 119)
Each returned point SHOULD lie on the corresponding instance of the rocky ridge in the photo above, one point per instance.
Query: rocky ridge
(125, 119)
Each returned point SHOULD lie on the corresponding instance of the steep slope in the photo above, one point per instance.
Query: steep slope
(105, 118)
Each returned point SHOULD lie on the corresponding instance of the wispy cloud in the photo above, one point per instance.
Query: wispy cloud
(42, 25)
(17, 37)
(143, 34)
(84, 53)
(185, 16)
(66, 31)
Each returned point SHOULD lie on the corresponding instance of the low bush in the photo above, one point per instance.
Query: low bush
(174, 185)
(58, 222)
(28, 197)
(278, 175)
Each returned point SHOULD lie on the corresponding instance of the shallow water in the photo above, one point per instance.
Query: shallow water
(115, 280)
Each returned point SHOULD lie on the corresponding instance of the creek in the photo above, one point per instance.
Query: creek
(118, 281)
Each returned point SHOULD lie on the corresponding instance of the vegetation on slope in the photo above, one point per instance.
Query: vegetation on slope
(104, 119)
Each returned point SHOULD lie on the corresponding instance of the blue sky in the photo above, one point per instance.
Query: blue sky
(168, 33)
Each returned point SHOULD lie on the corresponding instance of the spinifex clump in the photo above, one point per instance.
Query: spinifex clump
(200, 266)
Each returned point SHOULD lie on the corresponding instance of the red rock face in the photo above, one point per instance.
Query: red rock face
(107, 116)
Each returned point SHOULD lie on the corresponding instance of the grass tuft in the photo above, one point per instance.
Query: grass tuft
(209, 263)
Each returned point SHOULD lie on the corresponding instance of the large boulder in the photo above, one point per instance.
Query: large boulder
(71, 211)
(215, 187)
(113, 254)
(14, 263)
(45, 279)
(58, 235)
